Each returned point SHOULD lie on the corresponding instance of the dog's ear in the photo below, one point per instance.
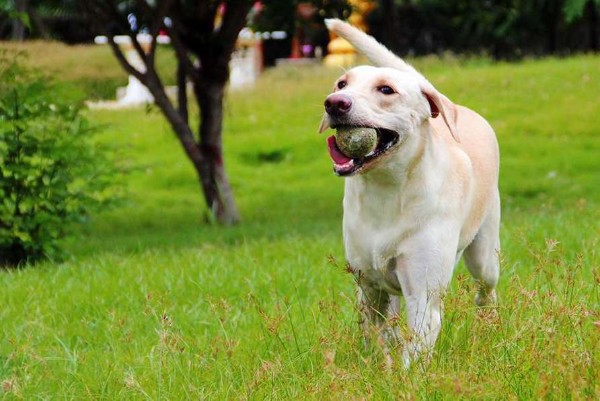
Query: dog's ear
(324, 126)
(440, 104)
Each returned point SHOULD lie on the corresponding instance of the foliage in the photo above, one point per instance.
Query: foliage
(8, 9)
(278, 15)
(51, 173)
(574, 9)
(48, 19)
(503, 28)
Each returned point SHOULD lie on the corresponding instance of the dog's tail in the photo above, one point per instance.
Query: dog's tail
(377, 53)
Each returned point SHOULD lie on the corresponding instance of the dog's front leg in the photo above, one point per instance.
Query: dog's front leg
(424, 313)
(424, 278)
(374, 308)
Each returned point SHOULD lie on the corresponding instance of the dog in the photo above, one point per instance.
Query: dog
(425, 197)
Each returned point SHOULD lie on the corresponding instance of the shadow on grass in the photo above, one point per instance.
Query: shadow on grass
(182, 224)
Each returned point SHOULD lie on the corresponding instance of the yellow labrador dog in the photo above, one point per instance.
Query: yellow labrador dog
(426, 195)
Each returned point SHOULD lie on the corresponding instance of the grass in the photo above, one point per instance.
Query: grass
(155, 303)
(88, 69)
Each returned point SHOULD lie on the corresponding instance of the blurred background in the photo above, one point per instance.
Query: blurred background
(505, 29)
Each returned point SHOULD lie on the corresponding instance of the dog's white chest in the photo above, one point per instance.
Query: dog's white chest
(366, 248)
(373, 229)
(373, 254)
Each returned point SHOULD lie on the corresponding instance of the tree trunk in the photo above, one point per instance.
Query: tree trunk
(592, 11)
(207, 157)
(182, 101)
(40, 26)
(391, 31)
(18, 27)
(217, 190)
(192, 31)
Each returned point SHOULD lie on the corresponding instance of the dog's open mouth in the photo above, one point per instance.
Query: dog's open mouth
(344, 165)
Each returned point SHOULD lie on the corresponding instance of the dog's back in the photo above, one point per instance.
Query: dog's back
(478, 142)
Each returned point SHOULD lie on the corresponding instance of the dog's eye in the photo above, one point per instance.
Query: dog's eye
(386, 90)
(342, 84)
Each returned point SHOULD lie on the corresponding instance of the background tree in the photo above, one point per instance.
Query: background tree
(32, 17)
(19, 21)
(203, 49)
(501, 28)
(577, 9)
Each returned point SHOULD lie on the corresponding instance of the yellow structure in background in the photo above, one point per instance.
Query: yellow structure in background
(341, 53)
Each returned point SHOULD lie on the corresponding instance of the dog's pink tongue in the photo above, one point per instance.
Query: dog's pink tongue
(336, 155)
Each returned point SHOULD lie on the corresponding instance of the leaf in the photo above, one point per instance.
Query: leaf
(51, 173)
(573, 9)
(21, 16)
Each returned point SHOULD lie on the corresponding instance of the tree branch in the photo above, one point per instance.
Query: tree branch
(138, 47)
(182, 99)
(123, 61)
(233, 22)
(183, 54)
(156, 17)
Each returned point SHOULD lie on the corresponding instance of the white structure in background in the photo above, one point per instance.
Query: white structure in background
(246, 61)
(245, 66)
(135, 93)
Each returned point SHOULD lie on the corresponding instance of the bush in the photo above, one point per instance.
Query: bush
(51, 172)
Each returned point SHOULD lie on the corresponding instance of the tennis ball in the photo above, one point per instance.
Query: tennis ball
(356, 142)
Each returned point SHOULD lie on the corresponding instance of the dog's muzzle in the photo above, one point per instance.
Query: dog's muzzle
(344, 165)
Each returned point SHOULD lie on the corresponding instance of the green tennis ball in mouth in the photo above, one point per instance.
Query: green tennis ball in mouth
(356, 142)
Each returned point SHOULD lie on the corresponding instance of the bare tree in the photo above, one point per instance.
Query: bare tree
(203, 50)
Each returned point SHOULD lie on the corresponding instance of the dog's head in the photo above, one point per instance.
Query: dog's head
(395, 103)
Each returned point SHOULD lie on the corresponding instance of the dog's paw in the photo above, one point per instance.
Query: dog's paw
(486, 298)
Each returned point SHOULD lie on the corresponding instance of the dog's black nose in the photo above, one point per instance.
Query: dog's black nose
(337, 104)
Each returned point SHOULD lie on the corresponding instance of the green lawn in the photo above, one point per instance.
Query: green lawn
(156, 303)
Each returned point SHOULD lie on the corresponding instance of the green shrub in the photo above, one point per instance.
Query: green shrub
(52, 174)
